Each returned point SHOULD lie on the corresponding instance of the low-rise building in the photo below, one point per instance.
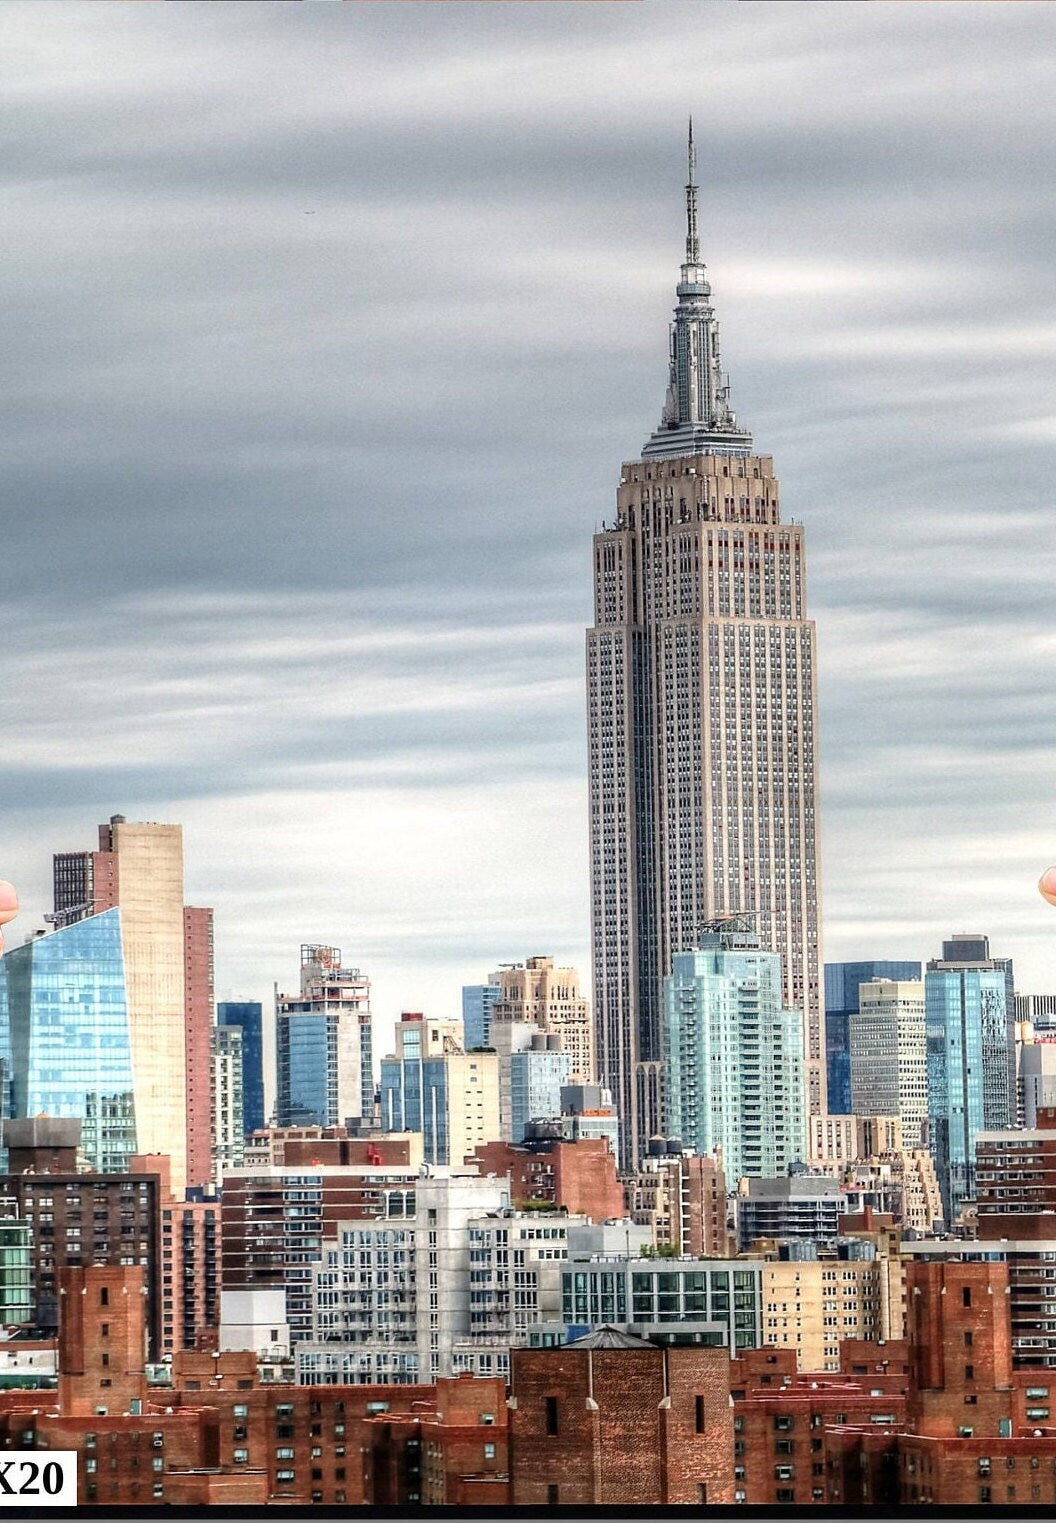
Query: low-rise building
(616, 1420)
(681, 1198)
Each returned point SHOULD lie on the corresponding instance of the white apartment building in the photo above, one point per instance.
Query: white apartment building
(400, 1300)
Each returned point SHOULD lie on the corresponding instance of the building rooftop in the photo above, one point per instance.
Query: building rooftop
(608, 1336)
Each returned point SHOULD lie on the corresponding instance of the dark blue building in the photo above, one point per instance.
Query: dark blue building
(247, 1015)
(841, 1002)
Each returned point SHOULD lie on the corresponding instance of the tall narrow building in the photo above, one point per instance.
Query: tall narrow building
(702, 718)
(323, 1043)
(167, 951)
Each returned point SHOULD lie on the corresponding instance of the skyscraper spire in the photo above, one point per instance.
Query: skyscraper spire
(692, 241)
(696, 418)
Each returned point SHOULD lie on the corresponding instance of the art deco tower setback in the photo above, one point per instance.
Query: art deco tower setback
(702, 714)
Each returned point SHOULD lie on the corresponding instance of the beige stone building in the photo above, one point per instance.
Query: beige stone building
(682, 1200)
(538, 992)
(810, 1306)
(702, 719)
(866, 1154)
(845, 1139)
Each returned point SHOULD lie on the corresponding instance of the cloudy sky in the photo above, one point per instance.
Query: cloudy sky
(327, 328)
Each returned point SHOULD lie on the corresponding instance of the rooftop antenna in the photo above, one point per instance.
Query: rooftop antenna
(692, 241)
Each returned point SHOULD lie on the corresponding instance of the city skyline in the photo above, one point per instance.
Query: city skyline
(333, 628)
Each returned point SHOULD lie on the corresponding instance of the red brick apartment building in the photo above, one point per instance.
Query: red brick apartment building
(217, 1435)
(83, 1219)
(613, 1419)
(581, 1176)
(941, 1418)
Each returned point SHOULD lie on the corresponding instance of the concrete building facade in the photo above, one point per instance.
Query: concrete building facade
(842, 982)
(889, 1055)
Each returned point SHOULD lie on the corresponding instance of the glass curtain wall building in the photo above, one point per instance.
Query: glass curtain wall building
(967, 1037)
(477, 1003)
(324, 1054)
(248, 1016)
(734, 1055)
(71, 1050)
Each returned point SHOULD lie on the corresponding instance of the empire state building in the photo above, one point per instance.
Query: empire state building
(702, 714)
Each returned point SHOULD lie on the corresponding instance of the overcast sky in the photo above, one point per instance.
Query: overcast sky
(327, 328)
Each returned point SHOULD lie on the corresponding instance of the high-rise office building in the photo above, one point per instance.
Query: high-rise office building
(702, 718)
(889, 1057)
(734, 1056)
(199, 1026)
(971, 1059)
(71, 1035)
(530, 1084)
(247, 1015)
(538, 993)
(842, 981)
(323, 1044)
(431, 1085)
(168, 968)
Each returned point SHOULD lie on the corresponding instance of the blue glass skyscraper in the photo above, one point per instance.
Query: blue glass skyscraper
(247, 1015)
(323, 1049)
(71, 1052)
(477, 1002)
(969, 1037)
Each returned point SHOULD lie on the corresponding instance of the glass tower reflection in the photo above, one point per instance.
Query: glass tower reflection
(67, 1018)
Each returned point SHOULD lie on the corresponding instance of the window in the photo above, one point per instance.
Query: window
(698, 1403)
(551, 1415)
(489, 1451)
(966, 1295)
(241, 1457)
(552, 1494)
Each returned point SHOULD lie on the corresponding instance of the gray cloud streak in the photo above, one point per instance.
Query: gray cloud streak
(325, 321)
